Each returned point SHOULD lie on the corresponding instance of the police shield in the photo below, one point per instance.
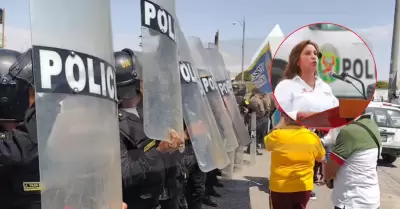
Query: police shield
(76, 104)
(225, 88)
(162, 102)
(224, 123)
(200, 122)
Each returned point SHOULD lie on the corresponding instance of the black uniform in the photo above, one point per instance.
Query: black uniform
(19, 160)
(155, 178)
(194, 188)
(211, 181)
(18, 147)
(141, 164)
(173, 183)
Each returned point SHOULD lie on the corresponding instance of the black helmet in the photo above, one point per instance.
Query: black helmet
(242, 90)
(15, 80)
(128, 72)
(22, 69)
(235, 88)
(8, 58)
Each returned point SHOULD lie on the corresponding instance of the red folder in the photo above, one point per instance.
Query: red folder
(337, 116)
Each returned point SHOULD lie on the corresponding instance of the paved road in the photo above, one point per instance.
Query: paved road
(249, 188)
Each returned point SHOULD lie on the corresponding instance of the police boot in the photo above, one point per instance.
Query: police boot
(214, 193)
(209, 202)
(218, 184)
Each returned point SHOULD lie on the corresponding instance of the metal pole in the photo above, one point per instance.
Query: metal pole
(243, 37)
(3, 29)
(395, 53)
(253, 136)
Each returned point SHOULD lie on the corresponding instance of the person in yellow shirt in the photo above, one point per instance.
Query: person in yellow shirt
(294, 150)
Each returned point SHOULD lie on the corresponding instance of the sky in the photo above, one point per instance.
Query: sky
(372, 19)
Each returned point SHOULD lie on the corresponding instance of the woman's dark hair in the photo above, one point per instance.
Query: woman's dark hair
(292, 69)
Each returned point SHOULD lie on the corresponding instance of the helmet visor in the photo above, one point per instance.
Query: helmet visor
(127, 92)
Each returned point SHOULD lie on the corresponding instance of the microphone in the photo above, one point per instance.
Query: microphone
(342, 78)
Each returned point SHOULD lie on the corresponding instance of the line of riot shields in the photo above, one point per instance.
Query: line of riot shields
(76, 101)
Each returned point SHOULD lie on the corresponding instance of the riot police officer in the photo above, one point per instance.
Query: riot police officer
(194, 187)
(240, 93)
(18, 105)
(18, 134)
(256, 105)
(18, 143)
(143, 160)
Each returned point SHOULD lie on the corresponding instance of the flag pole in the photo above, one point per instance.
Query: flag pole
(216, 40)
(3, 27)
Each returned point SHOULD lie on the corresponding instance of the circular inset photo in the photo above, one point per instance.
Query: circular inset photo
(323, 75)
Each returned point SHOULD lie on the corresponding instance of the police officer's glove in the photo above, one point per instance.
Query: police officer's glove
(174, 143)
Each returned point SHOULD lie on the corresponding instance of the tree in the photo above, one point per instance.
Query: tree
(238, 77)
(382, 85)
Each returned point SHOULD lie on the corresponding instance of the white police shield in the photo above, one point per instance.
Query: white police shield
(206, 139)
(76, 104)
(224, 86)
(162, 101)
(224, 122)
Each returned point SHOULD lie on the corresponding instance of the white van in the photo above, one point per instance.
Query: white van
(387, 117)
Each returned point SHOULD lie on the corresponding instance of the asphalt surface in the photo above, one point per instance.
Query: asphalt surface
(249, 188)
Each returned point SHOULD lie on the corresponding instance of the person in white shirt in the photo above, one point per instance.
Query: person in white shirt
(302, 93)
(351, 170)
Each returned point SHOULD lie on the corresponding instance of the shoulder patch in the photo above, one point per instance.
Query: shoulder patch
(149, 145)
(32, 186)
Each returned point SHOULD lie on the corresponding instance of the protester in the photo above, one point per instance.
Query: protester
(257, 104)
(352, 167)
(294, 150)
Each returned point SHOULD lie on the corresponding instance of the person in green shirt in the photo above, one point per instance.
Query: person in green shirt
(351, 170)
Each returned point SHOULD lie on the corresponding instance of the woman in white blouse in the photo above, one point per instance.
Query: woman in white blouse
(302, 93)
